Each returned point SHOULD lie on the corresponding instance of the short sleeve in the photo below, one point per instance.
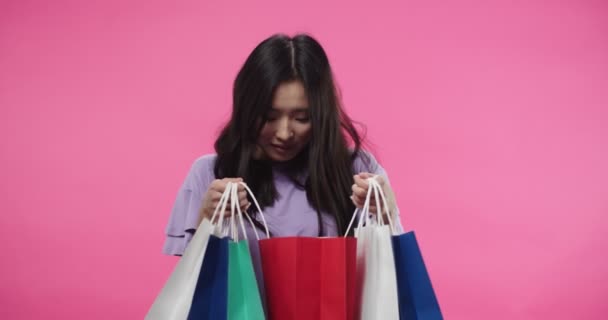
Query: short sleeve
(185, 213)
(366, 162)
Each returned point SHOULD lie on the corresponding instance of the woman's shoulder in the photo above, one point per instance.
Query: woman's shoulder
(205, 161)
(202, 167)
(364, 161)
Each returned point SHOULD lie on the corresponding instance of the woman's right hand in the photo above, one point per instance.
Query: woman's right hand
(214, 193)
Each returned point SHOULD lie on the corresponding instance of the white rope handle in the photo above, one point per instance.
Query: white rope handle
(240, 214)
(234, 234)
(221, 204)
(238, 209)
(220, 209)
(236, 215)
(376, 189)
(384, 205)
(257, 205)
(225, 228)
(373, 185)
(363, 213)
(230, 194)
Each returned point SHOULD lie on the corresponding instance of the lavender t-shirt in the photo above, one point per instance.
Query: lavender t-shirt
(290, 215)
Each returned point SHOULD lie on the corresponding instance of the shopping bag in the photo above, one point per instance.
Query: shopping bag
(417, 300)
(376, 275)
(244, 301)
(210, 298)
(309, 278)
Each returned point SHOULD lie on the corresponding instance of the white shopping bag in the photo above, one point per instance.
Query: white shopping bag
(375, 261)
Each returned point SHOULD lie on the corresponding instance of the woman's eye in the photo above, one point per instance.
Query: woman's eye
(303, 119)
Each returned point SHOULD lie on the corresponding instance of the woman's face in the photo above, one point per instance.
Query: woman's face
(287, 130)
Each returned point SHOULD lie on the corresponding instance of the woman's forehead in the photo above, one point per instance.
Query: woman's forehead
(290, 96)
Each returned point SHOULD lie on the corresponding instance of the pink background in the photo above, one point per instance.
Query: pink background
(491, 120)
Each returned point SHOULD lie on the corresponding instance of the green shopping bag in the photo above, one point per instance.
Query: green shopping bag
(244, 302)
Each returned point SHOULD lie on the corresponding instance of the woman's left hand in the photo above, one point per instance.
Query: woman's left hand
(361, 187)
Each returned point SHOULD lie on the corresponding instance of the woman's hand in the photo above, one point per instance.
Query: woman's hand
(214, 193)
(361, 187)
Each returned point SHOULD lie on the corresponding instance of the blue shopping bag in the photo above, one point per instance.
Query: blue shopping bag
(417, 300)
(210, 300)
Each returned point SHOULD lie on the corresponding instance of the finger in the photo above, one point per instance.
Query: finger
(358, 200)
(219, 185)
(365, 175)
(358, 203)
(215, 198)
(243, 200)
(357, 188)
(239, 187)
(214, 184)
(355, 194)
(215, 195)
(247, 207)
(216, 205)
(360, 192)
(361, 182)
(228, 209)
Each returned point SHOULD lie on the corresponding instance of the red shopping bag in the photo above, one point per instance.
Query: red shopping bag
(310, 278)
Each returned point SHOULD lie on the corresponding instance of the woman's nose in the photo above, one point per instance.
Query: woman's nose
(283, 130)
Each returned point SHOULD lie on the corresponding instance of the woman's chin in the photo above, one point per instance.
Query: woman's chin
(280, 158)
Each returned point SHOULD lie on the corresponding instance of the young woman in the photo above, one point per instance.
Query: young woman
(290, 140)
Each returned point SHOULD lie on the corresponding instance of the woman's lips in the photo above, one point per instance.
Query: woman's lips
(281, 148)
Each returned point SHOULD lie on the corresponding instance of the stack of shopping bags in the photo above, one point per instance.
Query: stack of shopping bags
(394, 282)
(377, 274)
(214, 278)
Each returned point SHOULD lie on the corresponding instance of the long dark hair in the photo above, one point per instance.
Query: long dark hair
(327, 160)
